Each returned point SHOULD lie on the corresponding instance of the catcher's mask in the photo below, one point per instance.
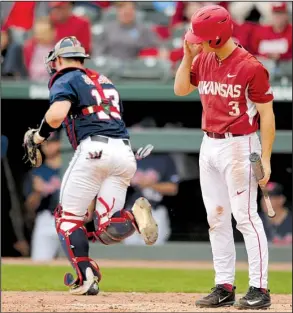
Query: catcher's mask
(67, 47)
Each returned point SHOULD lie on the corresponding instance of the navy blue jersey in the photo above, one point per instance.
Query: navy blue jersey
(80, 87)
(279, 234)
(160, 168)
(50, 186)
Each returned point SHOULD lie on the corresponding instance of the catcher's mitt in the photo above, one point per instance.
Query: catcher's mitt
(32, 152)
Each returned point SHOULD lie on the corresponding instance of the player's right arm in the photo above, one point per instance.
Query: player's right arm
(183, 84)
(61, 97)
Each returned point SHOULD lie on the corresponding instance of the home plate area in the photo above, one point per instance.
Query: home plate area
(18, 301)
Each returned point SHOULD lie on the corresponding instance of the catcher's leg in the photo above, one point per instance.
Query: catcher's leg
(74, 241)
(114, 224)
(80, 185)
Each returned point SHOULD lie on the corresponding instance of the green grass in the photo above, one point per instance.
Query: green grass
(43, 278)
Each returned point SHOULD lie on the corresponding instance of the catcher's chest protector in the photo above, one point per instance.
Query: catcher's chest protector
(96, 106)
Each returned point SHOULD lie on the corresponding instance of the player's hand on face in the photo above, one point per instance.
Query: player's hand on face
(267, 171)
(191, 50)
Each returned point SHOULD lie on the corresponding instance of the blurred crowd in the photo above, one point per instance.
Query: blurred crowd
(130, 40)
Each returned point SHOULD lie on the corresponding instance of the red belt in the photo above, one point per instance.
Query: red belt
(221, 136)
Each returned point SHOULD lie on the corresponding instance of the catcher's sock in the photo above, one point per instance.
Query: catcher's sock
(80, 248)
(228, 287)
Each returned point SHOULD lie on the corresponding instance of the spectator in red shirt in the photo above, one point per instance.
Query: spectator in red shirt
(67, 24)
(37, 47)
(274, 41)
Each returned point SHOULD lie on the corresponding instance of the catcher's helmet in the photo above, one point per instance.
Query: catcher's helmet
(212, 24)
(67, 47)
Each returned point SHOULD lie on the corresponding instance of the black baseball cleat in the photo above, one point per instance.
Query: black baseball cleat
(256, 298)
(219, 296)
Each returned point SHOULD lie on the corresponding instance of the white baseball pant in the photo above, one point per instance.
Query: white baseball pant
(108, 177)
(229, 186)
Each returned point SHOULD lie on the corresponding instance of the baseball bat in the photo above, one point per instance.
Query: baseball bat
(258, 170)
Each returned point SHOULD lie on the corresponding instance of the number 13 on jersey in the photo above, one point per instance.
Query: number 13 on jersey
(113, 110)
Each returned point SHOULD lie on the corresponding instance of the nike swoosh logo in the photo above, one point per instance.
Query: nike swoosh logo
(221, 300)
(240, 192)
(253, 302)
(230, 75)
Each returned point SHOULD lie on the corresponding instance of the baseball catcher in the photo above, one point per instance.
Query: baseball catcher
(89, 107)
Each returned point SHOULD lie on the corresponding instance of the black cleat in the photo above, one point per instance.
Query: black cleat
(219, 296)
(255, 298)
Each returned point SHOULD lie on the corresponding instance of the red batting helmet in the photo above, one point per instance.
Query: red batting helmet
(210, 23)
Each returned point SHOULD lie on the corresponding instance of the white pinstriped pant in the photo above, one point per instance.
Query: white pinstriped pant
(228, 186)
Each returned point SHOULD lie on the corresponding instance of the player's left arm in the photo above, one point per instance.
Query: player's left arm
(267, 133)
(260, 92)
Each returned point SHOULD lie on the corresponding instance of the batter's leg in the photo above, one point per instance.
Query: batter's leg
(243, 198)
(216, 200)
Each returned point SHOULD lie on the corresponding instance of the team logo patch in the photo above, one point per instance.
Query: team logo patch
(104, 80)
(87, 80)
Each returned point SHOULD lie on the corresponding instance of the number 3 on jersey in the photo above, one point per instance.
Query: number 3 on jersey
(113, 96)
(235, 108)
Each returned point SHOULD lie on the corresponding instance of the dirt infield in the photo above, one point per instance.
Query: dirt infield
(118, 302)
(19, 301)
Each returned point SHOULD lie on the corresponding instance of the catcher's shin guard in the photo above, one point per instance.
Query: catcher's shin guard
(124, 223)
(120, 226)
(74, 241)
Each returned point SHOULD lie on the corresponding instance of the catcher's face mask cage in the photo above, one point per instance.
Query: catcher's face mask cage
(67, 47)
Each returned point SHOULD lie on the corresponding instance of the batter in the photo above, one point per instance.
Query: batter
(235, 92)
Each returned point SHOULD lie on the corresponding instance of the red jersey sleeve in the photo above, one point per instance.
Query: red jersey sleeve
(259, 88)
(194, 71)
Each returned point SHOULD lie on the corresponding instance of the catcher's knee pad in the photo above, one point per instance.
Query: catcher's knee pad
(74, 241)
(121, 225)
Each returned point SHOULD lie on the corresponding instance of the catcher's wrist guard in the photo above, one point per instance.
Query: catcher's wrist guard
(45, 129)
